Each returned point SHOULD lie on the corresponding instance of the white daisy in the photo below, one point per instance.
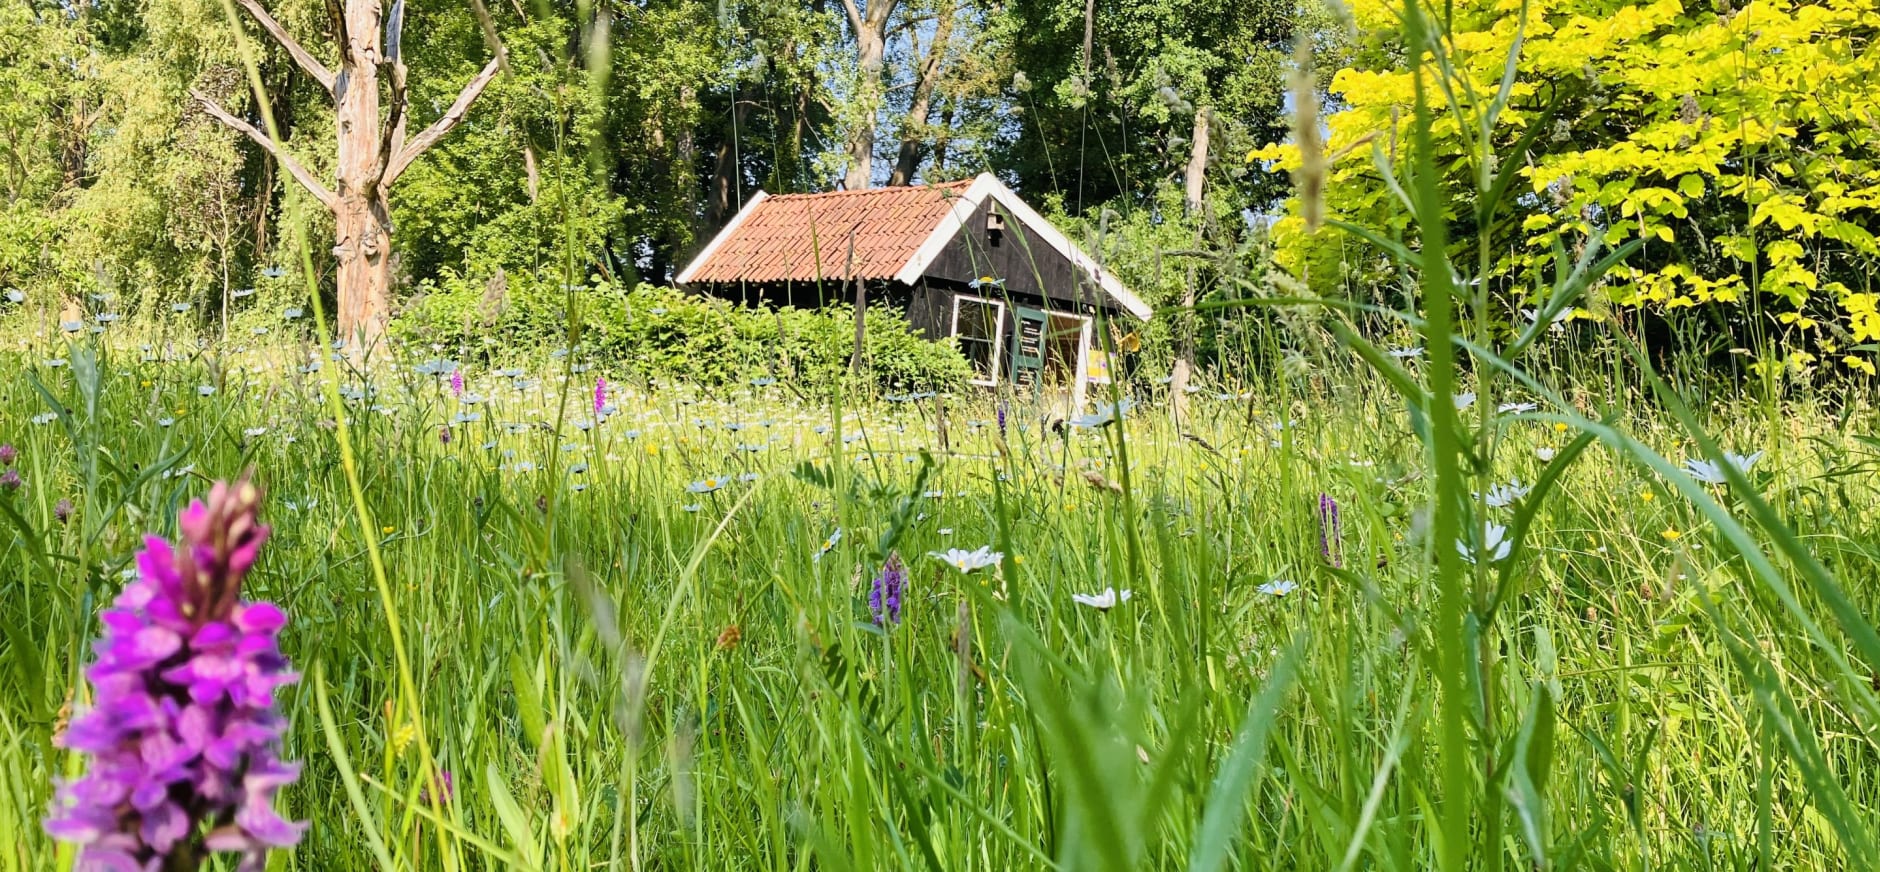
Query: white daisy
(1495, 544)
(1279, 587)
(828, 545)
(1102, 601)
(1105, 415)
(969, 561)
(1711, 472)
(1501, 496)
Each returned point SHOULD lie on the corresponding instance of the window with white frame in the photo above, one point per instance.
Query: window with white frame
(979, 327)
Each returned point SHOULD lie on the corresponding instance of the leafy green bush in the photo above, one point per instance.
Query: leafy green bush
(661, 332)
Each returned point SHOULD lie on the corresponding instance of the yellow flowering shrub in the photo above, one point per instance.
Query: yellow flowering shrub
(1741, 142)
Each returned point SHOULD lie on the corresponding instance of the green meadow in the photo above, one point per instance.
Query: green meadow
(644, 639)
(1493, 485)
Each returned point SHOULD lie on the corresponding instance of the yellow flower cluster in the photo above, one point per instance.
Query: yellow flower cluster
(1666, 100)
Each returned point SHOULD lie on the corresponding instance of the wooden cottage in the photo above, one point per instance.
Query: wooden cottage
(966, 259)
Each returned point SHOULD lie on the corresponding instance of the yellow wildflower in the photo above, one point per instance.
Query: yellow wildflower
(401, 737)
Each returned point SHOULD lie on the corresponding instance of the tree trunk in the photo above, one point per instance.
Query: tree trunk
(908, 161)
(799, 128)
(942, 137)
(371, 149)
(1196, 179)
(361, 219)
(723, 201)
(264, 200)
(363, 231)
(1197, 173)
(862, 141)
(871, 38)
(685, 141)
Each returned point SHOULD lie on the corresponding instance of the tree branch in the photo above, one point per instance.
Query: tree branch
(341, 36)
(910, 22)
(307, 62)
(855, 15)
(280, 154)
(879, 11)
(392, 135)
(451, 118)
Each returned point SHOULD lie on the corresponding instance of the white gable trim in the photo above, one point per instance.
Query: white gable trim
(685, 275)
(988, 185)
(963, 208)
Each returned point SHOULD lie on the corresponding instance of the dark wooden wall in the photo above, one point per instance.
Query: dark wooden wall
(802, 295)
(1029, 266)
(1034, 275)
(930, 307)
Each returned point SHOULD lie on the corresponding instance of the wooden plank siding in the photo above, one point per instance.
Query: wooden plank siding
(1032, 270)
(920, 251)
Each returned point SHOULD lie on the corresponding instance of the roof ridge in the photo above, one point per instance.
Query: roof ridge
(893, 189)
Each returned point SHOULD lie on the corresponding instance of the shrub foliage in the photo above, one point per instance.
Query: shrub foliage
(660, 332)
(1734, 139)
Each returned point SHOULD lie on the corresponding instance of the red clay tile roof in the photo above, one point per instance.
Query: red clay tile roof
(773, 241)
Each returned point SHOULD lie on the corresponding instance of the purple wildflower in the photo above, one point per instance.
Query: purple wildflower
(10, 480)
(444, 781)
(600, 396)
(884, 594)
(1001, 415)
(1331, 534)
(456, 383)
(7, 453)
(62, 510)
(182, 731)
(443, 435)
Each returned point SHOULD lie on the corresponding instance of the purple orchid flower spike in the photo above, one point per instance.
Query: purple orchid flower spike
(446, 789)
(1331, 533)
(600, 396)
(182, 733)
(884, 594)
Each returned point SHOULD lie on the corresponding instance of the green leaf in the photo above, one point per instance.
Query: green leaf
(514, 820)
(528, 699)
(1226, 806)
(1527, 788)
(336, 746)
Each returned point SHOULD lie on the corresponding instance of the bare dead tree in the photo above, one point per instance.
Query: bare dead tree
(1193, 188)
(371, 110)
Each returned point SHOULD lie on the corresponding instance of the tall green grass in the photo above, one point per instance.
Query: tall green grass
(619, 673)
(1633, 701)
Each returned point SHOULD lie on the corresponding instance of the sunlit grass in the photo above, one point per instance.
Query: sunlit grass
(779, 726)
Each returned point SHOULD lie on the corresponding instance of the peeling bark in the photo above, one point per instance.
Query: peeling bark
(1195, 179)
(371, 148)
